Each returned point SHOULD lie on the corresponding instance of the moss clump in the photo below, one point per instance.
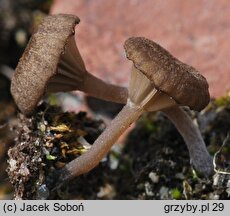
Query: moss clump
(223, 101)
(176, 194)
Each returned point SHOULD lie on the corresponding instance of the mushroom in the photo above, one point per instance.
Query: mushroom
(52, 63)
(158, 82)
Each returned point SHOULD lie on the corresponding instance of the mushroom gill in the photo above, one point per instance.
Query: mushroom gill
(52, 63)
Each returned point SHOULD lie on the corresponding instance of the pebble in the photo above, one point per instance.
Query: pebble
(180, 176)
(107, 192)
(148, 189)
(43, 192)
(164, 193)
(154, 177)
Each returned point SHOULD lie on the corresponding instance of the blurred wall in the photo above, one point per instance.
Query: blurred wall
(197, 32)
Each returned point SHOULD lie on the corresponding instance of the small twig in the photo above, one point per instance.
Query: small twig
(215, 155)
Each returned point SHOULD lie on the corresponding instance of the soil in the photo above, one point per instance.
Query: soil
(7, 111)
(17, 20)
(45, 142)
(153, 163)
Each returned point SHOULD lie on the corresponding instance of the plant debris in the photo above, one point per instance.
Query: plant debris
(153, 163)
(154, 148)
(47, 141)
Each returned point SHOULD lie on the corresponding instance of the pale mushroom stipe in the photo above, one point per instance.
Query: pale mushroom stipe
(158, 82)
(52, 63)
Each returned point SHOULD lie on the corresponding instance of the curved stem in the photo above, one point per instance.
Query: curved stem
(100, 89)
(129, 114)
(91, 85)
(199, 155)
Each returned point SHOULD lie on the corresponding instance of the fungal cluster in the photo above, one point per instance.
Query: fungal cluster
(158, 82)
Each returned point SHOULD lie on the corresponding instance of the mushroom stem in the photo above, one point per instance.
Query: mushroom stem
(199, 156)
(102, 90)
(129, 114)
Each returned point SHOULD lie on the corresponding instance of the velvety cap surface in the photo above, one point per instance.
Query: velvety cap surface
(178, 80)
(39, 61)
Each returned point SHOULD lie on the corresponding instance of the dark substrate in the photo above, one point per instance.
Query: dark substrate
(153, 164)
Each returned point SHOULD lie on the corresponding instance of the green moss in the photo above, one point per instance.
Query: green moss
(50, 157)
(126, 166)
(223, 101)
(53, 100)
(148, 124)
(176, 194)
(212, 149)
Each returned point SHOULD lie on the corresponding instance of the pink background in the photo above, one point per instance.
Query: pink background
(197, 32)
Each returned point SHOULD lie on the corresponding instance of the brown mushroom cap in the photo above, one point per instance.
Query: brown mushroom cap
(178, 80)
(40, 60)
